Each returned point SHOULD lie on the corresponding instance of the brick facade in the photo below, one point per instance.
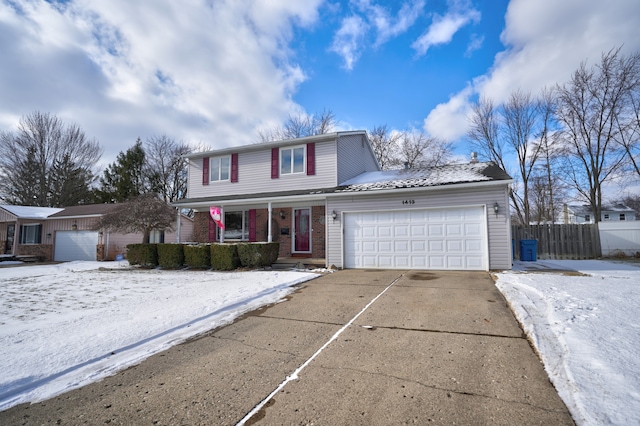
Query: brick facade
(45, 251)
(281, 229)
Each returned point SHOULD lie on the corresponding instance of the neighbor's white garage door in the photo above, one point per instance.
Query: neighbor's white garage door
(75, 245)
(452, 238)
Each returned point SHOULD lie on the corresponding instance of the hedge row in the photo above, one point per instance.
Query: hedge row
(219, 257)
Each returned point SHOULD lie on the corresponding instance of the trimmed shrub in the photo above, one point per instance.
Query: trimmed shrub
(170, 256)
(197, 256)
(224, 257)
(258, 254)
(145, 255)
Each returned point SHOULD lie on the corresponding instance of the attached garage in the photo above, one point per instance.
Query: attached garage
(75, 245)
(452, 238)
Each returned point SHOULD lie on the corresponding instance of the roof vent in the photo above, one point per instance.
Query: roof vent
(474, 157)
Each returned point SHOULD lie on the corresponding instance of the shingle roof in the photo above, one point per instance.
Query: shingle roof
(85, 210)
(416, 178)
(584, 209)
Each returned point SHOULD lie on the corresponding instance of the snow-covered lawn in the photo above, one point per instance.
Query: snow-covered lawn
(63, 326)
(587, 330)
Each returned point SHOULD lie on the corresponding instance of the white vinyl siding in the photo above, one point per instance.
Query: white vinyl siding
(498, 230)
(254, 168)
(354, 157)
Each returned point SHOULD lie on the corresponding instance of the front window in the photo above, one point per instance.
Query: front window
(622, 216)
(587, 218)
(156, 236)
(219, 168)
(292, 160)
(31, 234)
(606, 217)
(236, 225)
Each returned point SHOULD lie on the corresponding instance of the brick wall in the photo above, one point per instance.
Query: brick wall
(201, 227)
(45, 251)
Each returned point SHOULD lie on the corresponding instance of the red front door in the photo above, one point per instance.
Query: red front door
(302, 230)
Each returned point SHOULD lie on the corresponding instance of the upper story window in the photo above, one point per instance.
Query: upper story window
(219, 168)
(292, 160)
(31, 234)
(587, 218)
(622, 216)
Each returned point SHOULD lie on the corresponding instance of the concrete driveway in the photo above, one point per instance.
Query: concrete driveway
(353, 347)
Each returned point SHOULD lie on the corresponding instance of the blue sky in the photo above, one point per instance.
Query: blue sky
(213, 73)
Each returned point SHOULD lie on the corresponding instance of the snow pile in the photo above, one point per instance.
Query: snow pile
(587, 330)
(64, 326)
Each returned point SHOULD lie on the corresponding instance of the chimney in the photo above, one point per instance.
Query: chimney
(474, 157)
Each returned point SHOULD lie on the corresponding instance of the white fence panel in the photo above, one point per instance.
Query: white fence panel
(619, 237)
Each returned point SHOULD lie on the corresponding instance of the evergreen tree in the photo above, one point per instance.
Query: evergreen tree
(125, 178)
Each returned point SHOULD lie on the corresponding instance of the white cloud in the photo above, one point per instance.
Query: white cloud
(443, 28)
(545, 42)
(474, 44)
(347, 40)
(210, 72)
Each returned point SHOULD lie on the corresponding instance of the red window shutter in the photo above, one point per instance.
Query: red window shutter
(311, 158)
(234, 167)
(205, 171)
(275, 157)
(252, 225)
(212, 230)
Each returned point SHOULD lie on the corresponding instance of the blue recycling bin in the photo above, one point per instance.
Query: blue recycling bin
(528, 250)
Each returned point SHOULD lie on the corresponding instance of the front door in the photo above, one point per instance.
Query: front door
(11, 232)
(302, 230)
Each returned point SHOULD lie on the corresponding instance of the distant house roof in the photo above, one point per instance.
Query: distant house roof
(585, 209)
(84, 210)
(30, 212)
(416, 178)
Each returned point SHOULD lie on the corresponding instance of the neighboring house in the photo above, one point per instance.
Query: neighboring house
(66, 234)
(326, 197)
(584, 214)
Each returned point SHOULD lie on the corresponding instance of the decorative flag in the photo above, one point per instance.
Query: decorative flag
(216, 216)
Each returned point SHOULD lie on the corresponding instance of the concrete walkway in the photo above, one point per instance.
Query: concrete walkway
(355, 347)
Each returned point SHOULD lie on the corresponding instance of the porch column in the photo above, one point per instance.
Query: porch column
(178, 228)
(222, 220)
(269, 237)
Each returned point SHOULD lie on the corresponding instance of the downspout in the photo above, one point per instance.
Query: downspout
(269, 236)
(178, 230)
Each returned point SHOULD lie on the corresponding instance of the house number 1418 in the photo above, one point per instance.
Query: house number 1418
(408, 201)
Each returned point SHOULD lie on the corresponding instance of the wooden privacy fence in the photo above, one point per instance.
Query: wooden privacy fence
(559, 241)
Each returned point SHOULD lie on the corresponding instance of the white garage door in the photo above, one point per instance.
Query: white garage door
(452, 238)
(75, 245)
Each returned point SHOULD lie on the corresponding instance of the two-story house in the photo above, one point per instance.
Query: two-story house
(326, 197)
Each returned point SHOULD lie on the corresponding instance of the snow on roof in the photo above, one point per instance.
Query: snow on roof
(30, 212)
(434, 176)
(586, 209)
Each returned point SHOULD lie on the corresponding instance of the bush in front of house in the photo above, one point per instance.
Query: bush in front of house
(197, 256)
(145, 255)
(170, 256)
(224, 257)
(258, 254)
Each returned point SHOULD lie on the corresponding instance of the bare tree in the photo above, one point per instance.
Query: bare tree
(166, 167)
(37, 159)
(417, 150)
(590, 107)
(140, 214)
(385, 145)
(629, 122)
(301, 125)
(520, 115)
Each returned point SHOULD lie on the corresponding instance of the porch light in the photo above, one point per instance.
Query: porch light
(281, 214)
(496, 208)
(49, 235)
(334, 215)
(74, 226)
